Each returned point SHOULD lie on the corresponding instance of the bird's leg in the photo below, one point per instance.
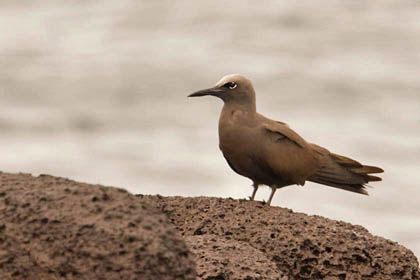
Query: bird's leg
(273, 190)
(255, 185)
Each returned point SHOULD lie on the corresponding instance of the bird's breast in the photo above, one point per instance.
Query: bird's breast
(234, 128)
(236, 141)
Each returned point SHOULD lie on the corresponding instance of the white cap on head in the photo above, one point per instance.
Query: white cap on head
(237, 78)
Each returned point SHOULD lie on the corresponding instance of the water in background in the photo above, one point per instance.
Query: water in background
(96, 91)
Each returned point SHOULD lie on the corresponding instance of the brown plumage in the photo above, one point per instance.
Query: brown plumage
(271, 153)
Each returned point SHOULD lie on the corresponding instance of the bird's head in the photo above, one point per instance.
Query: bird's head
(233, 88)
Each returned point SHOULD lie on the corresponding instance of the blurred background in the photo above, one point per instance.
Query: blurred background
(96, 91)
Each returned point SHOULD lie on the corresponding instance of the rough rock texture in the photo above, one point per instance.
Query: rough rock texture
(226, 258)
(54, 228)
(305, 247)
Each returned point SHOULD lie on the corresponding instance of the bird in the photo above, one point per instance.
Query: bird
(270, 153)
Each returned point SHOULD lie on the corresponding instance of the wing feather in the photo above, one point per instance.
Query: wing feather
(284, 130)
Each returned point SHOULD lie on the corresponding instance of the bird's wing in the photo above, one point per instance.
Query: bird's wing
(284, 131)
(287, 154)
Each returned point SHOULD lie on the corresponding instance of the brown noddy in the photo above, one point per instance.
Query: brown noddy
(270, 153)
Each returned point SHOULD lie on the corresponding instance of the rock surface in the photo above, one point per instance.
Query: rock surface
(54, 228)
(302, 246)
(226, 258)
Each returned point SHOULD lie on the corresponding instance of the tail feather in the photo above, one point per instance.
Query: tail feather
(356, 188)
(345, 161)
(365, 169)
(344, 173)
(372, 178)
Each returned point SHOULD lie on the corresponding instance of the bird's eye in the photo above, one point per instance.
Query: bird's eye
(231, 85)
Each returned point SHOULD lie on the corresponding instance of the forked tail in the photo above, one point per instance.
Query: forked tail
(344, 173)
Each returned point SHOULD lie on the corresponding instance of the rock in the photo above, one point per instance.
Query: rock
(54, 228)
(225, 258)
(305, 247)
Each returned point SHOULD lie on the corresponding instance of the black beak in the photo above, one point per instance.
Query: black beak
(215, 91)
